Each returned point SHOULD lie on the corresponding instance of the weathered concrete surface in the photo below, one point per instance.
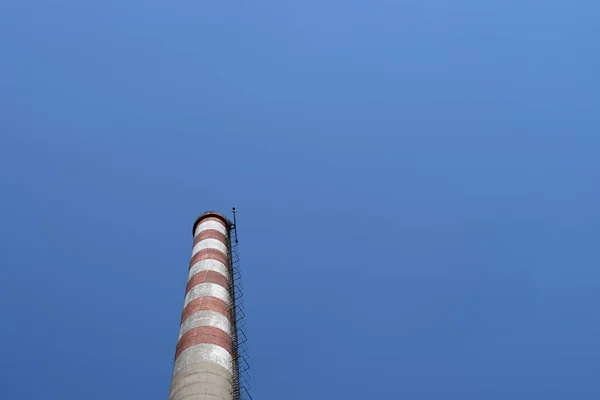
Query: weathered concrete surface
(207, 289)
(205, 318)
(202, 379)
(209, 265)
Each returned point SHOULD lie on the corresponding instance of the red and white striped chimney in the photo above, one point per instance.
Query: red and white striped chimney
(203, 358)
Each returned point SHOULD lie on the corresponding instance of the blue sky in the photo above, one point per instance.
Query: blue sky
(417, 185)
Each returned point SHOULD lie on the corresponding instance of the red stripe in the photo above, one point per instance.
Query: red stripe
(203, 334)
(207, 277)
(210, 234)
(205, 303)
(212, 254)
(210, 216)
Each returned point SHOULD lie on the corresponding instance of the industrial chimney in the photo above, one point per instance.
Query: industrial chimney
(206, 356)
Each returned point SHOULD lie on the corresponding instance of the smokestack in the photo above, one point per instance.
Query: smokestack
(204, 364)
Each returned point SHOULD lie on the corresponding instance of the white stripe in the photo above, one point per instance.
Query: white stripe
(209, 244)
(207, 289)
(197, 373)
(208, 265)
(205, 318)
(203, 352)
(206, 225)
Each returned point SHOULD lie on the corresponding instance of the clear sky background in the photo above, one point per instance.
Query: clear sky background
(417, 185)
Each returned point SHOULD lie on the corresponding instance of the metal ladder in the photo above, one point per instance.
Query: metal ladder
(241, 367)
